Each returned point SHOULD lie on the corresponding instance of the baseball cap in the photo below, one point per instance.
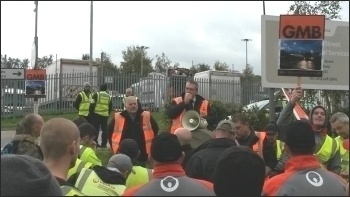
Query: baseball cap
(166, 147)
(121, 162)
(226, 125)
(86, 84)
(300, 135)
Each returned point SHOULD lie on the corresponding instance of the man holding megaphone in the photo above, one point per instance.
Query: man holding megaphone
(191, 111)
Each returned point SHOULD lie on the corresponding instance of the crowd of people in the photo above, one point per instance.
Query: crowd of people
(58, 157)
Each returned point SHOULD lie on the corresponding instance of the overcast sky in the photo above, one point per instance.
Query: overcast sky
(202, 32)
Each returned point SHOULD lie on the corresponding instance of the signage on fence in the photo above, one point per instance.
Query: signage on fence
(35, 80)
(12, 73)
(300, 45)
(335, 54)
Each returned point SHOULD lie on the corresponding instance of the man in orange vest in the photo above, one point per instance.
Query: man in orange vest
(246, 136)
(133, 123)
(190, 100)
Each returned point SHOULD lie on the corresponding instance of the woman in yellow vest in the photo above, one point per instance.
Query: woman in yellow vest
(340, 124)
(102, 181)
(142, 175)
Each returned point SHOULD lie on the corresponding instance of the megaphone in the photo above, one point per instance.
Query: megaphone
(191, 120)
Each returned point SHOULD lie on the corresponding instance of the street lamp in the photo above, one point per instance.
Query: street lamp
(246, 51)
(142, 48)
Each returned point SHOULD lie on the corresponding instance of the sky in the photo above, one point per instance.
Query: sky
(186, 32)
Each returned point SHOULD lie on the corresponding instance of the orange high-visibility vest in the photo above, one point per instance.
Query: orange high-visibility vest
(177, 121)
(258, 146)
(119, 126)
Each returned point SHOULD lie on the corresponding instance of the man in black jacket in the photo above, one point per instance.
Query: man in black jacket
(202, 164)
(133, 120)
(246, 136)
(190, 100)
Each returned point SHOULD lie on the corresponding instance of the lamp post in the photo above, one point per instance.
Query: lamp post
(142, 48)
(36, 104)
(246, 40)
(91, 31)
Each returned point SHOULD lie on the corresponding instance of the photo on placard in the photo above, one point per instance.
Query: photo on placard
(300, 58)
(35, 88)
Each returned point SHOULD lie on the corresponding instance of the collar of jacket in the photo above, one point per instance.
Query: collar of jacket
(302, 162)
(26, 137)
(169, 169)
(221, 143)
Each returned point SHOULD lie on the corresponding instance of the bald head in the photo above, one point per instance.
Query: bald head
(184, 136)
(58, 135)
(128, 92)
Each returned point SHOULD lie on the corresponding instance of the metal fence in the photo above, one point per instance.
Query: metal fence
(154, 91)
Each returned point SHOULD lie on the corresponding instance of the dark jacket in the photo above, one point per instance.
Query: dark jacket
(133, 130)
(202, 164)
(333, 163)
(187, 149)
(174, 110)
(269, 151)
(93, 105)
(78, 100)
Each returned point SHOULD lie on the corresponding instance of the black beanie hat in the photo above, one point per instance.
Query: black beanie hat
(239, 172)
(300, 136)
(23, 175)
(166, 147)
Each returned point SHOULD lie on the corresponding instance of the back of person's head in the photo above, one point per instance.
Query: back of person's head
(30, 125)
(60, 138)
(239, 172)
(130, 148)
(166, 148)
(300, 138)
(225, 129)
(79, 121)
(183, 135)
(23, 175)
(86, 129)
(103, 87)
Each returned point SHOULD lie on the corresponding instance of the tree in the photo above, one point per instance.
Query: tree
(107, 66)
(45, 61)
(162, 63)
(199, 68)
(85, 56)
(132, 61)
(331, 10)
(220, 66)
(14, 62)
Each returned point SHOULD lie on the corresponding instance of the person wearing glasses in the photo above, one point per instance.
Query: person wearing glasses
(190, 100)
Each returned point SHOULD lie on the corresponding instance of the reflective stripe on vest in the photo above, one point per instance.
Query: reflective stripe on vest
(84, 104)
(84, 154)
(279, 148)
(79, 165)
(70, 191)
(102, 103)
(142, 176)
(258, 146)
(177, 121)
(329, 147)
(344, 155)
(90, 184)
(124, 99)
(119, 126)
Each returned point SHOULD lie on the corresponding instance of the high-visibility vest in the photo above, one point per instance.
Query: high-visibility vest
(84, 104)
(119, 126)
(79, 165)
(91, 184)
(124, 101)
(177, 121)
(258, 146)
(142, 176)
(84, 154)
(344, 154)
(70, 191)
(279, 148)
(102, 103)
(327, 150)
